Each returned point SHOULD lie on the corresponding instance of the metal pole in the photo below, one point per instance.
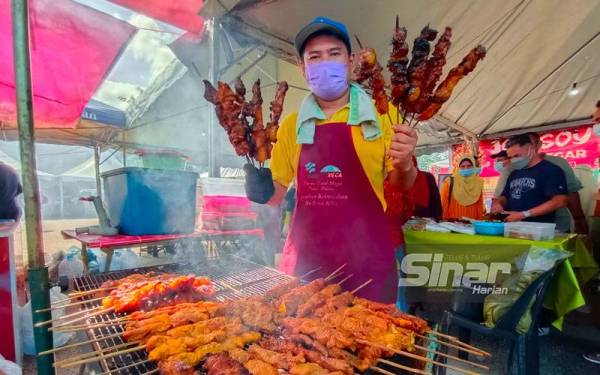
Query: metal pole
(213, 139)
(37, 272)
(97, 170)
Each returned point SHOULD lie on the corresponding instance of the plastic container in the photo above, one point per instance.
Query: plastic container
(488, 228)
(222, 187)
(228, 220)
(528, 230)
(151, 201)
(221, 203)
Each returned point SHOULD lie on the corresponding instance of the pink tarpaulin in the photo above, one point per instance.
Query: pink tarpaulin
(181, 13)
(72, 47)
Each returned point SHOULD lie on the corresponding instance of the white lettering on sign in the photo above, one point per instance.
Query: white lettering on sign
(563, 138)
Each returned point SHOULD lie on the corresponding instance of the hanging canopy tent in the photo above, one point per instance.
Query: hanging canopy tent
(86, 170)
(72, 48)
(537, 49)
(144, 67)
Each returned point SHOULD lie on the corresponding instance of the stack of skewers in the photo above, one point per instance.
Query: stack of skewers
(316, 328)
(243, 120)
(413, 83)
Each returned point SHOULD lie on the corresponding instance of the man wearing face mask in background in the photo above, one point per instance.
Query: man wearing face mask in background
(535, 188)
(339, 151)
(573, 209)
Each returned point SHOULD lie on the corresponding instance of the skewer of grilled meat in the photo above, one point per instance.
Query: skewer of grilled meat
(223, 364)
(368, 72)
(397, 65)
(434, 69)
(444, 90)
(276, 108)
(417, 68)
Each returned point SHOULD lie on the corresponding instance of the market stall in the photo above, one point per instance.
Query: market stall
(234, 314)
(565, 294)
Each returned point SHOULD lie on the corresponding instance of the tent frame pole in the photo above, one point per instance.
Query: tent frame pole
(97, 171)
(37, 271)
(213, 140)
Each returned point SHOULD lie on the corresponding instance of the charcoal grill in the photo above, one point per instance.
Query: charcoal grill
(233, 278)
(248, 278)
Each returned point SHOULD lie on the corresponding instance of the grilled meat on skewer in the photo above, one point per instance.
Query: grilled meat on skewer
(444, 90)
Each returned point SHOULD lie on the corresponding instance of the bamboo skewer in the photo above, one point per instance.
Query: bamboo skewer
(96, 353)
(55, 307)
(452, 357)
(345, 279)
(83, 327)
(91, 291)
(401, 367)
(309, 273)
(54, 350)
(46, 322)
(96, 313)
(125, 367)
(335, 272)
(97, 358)
(478, 353)
(458, 342)
(361, 286)
(414, 356)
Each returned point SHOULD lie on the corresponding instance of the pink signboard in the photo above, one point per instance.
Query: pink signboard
(578, 145)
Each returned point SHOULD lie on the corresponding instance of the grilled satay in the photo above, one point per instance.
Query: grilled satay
(435, 64)
(157, 291)
(281, 289)
(254, 312)
(397, 65)
(276, 110)
(396, 316)
(285, 345)
(317, 300)
(223, 364)
(417, 68)
(369, 73)
(444, 90)
(288, 303)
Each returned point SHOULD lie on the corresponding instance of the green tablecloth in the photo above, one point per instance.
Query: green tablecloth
(564, 294)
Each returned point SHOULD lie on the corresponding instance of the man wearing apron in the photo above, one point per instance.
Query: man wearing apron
(339, 151)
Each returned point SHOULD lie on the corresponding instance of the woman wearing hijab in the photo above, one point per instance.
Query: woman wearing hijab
(462, 194)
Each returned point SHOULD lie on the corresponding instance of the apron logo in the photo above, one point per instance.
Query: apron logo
(310, 167)
(332, 171)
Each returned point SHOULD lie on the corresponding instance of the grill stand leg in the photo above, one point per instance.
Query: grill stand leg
(84, 259)
(40, 299)
(109, 256)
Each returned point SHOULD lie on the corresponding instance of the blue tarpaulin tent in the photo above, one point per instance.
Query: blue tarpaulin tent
(104, 113)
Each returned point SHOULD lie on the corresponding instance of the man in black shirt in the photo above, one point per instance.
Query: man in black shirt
(535, 188)
(10, 188)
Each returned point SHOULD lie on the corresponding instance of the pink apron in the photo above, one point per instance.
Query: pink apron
(338, 218)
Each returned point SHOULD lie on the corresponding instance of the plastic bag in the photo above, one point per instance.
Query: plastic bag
(70, 267)
(28, 343)
(9, 368)
(530, 265)
(125, 259)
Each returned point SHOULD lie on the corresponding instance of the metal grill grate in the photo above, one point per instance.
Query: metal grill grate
(250, 279)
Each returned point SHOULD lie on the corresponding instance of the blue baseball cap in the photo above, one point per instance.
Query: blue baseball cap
(322, 24)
